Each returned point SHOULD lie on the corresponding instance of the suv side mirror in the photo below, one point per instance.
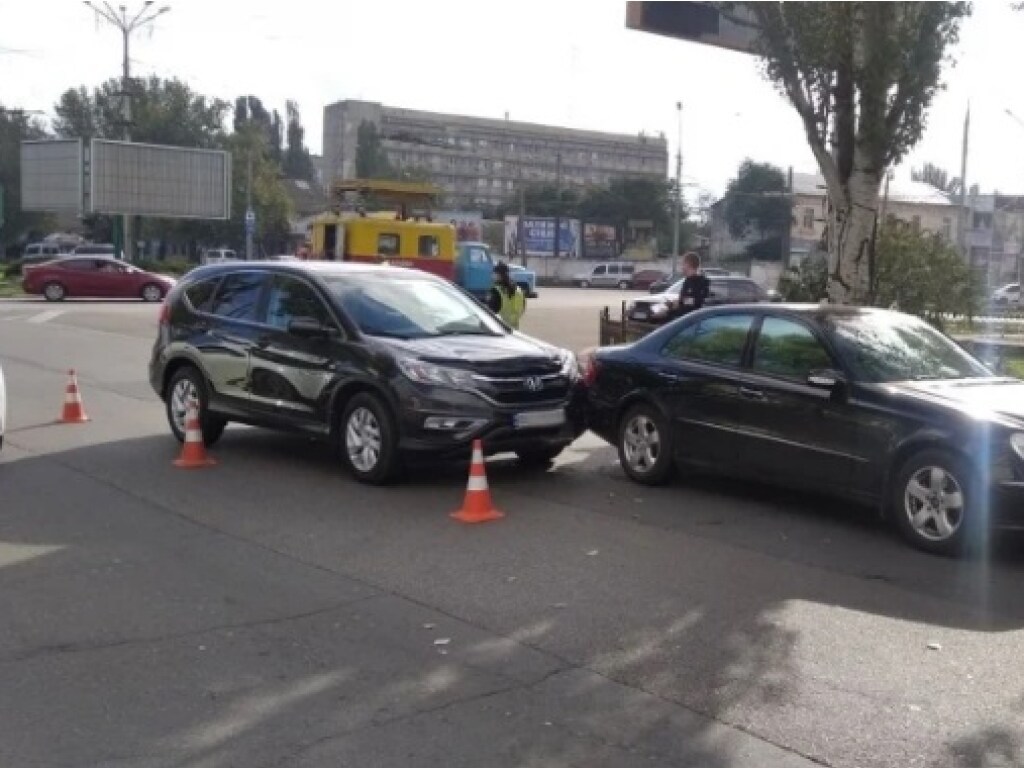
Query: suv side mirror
(825, 379)
(310, 328)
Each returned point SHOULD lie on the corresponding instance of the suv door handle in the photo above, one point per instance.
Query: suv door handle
(752, 394)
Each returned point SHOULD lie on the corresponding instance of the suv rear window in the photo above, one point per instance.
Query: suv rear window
(238, 296)
(200, 295)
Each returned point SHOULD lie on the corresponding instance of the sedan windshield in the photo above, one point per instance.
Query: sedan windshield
(407, 307)
(881, 347)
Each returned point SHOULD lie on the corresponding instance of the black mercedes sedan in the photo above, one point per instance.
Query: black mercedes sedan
(866, 404)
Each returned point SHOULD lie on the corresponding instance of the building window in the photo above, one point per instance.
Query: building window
(388, 244)
(808, 218)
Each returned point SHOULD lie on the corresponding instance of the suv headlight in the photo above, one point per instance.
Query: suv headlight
(436, 375)
(1017, 443)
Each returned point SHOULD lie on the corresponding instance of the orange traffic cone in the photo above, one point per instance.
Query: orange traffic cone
(193, 452)
(74, 412)
(477, 507)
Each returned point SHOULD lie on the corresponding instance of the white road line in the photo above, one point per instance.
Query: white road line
(45, 317)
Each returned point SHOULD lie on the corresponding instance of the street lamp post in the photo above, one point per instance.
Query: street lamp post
(1020, 250)
(679, 188)
(126, 24)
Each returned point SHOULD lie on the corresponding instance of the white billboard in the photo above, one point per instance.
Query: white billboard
(159, 181)
(51, 175)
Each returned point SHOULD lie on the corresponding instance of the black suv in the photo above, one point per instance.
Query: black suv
(388, 362)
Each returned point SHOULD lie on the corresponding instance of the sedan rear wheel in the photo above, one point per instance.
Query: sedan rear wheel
(933, 501)
(644, 446)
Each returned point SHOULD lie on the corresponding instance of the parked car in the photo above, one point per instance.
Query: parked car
(390, 363)
(94, 278)
(609, 275)
(660, 286)
(643, 279)
(1007, 295)
(865, 404)
(3, 407)
(723, 290)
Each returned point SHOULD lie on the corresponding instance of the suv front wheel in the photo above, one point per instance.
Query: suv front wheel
(369, 439)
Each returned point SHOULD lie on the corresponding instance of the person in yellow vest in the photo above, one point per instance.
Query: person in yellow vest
(506, 298)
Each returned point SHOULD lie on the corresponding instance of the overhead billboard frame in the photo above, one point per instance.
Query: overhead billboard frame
(159, 181)
(52, 175)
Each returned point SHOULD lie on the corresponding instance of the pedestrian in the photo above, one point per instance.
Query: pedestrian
(696, 287)
(506, 298)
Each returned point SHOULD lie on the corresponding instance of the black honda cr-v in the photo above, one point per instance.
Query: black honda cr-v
(390, 363)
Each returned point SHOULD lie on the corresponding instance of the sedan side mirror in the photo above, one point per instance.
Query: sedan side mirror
(310, 328)
(825, 379)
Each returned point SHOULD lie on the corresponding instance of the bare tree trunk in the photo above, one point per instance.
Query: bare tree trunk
(849, 241)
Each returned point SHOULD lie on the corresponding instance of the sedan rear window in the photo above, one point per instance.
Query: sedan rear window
(719, 340)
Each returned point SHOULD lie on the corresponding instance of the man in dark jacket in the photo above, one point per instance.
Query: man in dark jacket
(695, 290)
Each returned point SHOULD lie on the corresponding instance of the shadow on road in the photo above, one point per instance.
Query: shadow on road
(273, 612)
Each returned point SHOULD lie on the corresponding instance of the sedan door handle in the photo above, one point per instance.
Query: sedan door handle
(752, 394)
(666, 376)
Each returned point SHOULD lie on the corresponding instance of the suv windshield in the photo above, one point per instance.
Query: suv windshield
(409, 307)
(889, 347)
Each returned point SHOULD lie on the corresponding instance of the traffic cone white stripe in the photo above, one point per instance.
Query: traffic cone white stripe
(477, 484)
(194, 436)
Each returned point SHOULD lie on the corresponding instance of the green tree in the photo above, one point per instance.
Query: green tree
(756, 201)
(297, 163)
(932, 174)
(921, 273)
(16, 226)
(249, 111)
(861, 75)
(806, 283)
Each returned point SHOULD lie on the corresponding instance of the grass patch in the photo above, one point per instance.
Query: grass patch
(1014, 366)
(10, 289)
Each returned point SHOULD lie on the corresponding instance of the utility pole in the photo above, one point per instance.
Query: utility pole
(127, 24)
(962, 219)
(521, 224)
(250, 214)
(558, 204)
(679, 188)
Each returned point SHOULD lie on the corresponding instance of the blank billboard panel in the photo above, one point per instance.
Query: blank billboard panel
(51, 175)
(151, 180)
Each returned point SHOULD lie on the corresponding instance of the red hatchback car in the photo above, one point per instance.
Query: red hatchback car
(93, 278)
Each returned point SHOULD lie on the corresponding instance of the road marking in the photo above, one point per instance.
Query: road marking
(45, 317)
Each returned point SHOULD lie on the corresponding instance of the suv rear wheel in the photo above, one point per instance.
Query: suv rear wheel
(369, 439)
(186, 384)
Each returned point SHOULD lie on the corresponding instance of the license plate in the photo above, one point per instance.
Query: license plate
(539, 419)
(639, 315)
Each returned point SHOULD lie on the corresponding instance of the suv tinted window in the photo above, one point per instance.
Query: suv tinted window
(200, 295)
(627, 269)
(238, 296)
(718, 340)
(291, 298)
(788, 349)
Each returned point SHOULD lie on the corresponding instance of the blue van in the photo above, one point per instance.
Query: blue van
(474, 271)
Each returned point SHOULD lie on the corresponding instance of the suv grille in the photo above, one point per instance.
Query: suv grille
(525, 389)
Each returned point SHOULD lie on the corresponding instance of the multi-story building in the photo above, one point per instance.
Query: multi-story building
(481, 162)
(995, 236)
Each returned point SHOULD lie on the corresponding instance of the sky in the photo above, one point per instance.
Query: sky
(564, 63)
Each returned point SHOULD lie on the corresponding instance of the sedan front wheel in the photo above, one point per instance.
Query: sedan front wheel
(645, 451)
(935, 504)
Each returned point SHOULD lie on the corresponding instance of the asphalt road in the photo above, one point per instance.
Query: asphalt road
(271, 612)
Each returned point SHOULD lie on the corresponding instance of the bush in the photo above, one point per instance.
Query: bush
(808, 282)
(175, 267)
